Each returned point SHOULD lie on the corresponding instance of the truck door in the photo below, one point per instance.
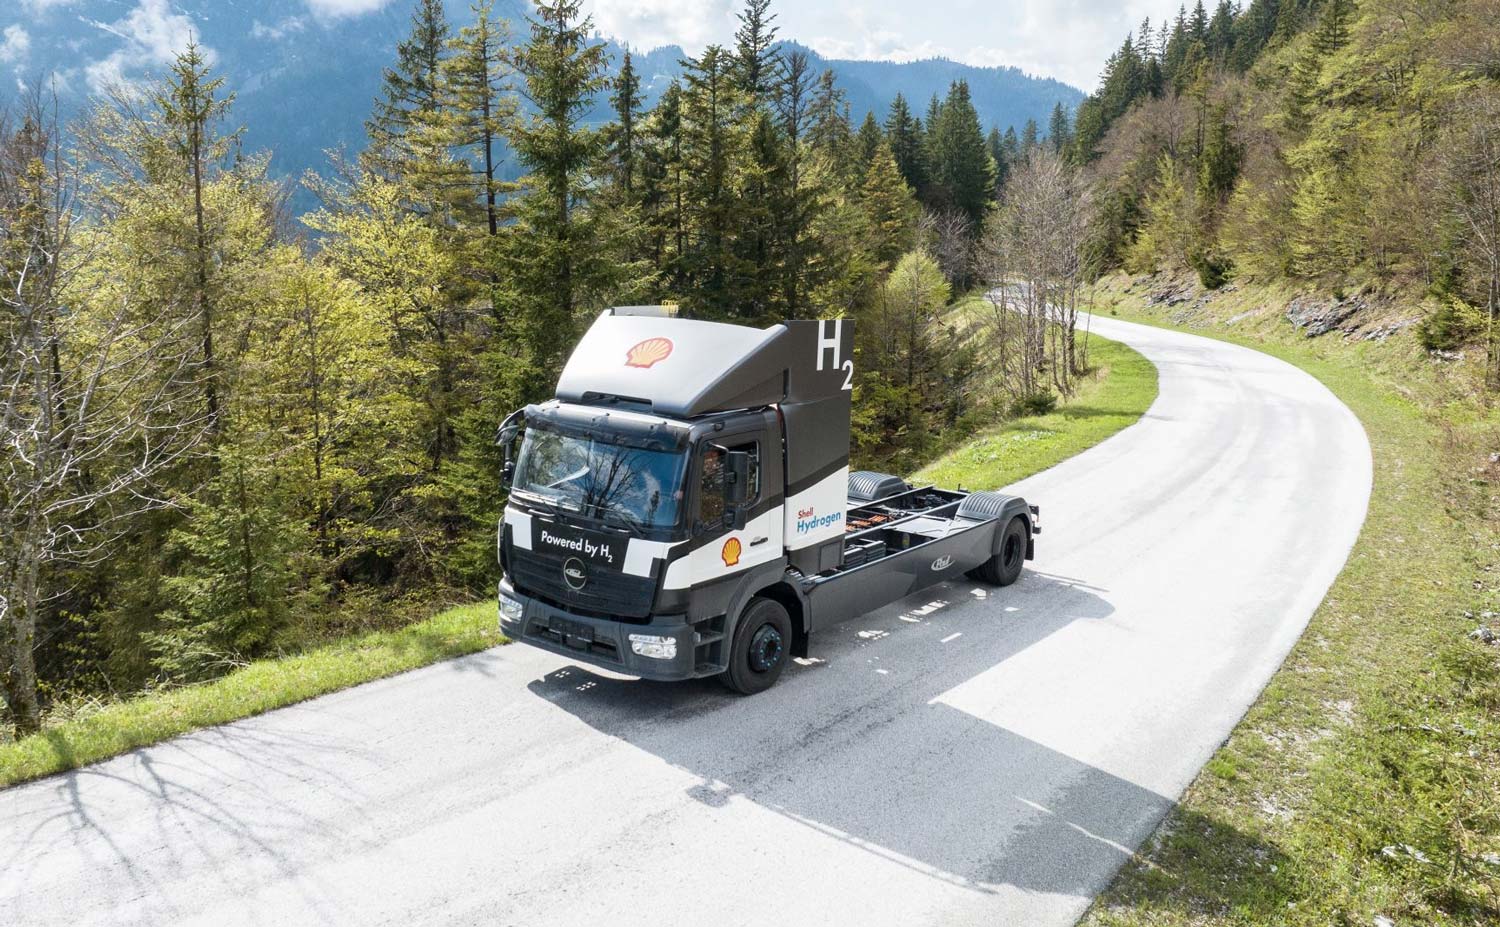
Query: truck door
(725, 543)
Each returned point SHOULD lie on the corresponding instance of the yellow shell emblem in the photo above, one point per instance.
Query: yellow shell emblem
(648, 352)
(731, 552)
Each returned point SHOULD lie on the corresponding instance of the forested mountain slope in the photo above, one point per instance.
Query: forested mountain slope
(1345, 145)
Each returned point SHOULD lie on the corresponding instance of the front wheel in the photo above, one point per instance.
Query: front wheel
(1005, 567)
(762, 643)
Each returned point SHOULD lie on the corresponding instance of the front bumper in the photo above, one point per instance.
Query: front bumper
(600, 641)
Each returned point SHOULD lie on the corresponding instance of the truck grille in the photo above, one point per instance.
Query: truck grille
(607, 594)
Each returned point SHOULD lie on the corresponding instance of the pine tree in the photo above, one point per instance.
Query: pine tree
(560, 256)
(712, 137)
(622, 135)
(1219, 164)
(766, 209)
(1303, 84)
(1059, 129)
(1029, 136)
(906, 360)
(889, 205)
(1220, 40)
(1197, 25)
(868, 140)
(962, 171)
(660, 188)
(476, 102)
(927, 193)
(755, 63)
(1253, 30)
(1332, 32)
(904, 134)
(190, 109)
(1176, 50)
(828, 130)
(996, 144)
(407, 141)
(794, 95)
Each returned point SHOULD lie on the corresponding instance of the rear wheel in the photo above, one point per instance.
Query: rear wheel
(762, 644)
(1005, 567)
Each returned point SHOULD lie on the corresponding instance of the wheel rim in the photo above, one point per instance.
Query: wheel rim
(766, 648)
(1012, 550)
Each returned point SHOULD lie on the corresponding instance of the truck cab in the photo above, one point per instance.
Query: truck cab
(678, 509)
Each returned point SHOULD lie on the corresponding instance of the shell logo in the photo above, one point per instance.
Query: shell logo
(648, 353)
(731, 552)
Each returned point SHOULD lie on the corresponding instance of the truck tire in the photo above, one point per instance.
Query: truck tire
(762, 646)
(1005, 567)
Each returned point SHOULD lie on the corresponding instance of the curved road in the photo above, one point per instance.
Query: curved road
(965, 756)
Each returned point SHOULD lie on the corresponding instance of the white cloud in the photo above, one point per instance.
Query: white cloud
(42, 6)
(1066, 39)
(15, 42)
(340, 9)
(1069, 40)
(153, 33)
(653, 23)
(279, 30)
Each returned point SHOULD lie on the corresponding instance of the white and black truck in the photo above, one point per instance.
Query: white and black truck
(684, 506)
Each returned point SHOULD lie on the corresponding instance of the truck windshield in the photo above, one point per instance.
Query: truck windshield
(641, 487)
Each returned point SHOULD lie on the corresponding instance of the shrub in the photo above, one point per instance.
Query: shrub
(1454, 324)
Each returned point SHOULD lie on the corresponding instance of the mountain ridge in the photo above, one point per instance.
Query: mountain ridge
(305, 82)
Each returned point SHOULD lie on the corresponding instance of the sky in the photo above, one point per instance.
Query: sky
(1065, 39)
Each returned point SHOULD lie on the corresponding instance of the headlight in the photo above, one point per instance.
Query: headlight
(657, 648)
(510, 609)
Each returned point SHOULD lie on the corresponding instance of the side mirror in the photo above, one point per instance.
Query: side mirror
(510, 428)
(737, 478)
(506, 437)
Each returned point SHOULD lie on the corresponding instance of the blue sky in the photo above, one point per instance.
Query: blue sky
(1066, 39)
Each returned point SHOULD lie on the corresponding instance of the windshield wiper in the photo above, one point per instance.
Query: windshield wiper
(556, 503)
(622, 520)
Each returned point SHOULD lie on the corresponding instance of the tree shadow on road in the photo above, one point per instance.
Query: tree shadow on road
(902, 773)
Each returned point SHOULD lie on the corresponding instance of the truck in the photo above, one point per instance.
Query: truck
(684, 507)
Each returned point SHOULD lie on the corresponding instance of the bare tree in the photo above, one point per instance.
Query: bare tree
(1031, 256)
(98, 398)
(1469, 165)
(949, 237)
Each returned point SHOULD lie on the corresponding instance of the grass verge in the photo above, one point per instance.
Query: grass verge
(1363, 787)
(1121, 392)
(257, 688)
(1123, 388)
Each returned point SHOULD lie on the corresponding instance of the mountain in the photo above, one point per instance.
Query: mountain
(306, 71)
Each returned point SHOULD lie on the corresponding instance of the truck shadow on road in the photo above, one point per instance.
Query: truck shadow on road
(865, 749)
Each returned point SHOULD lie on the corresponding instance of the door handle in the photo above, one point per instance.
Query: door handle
(758, 541)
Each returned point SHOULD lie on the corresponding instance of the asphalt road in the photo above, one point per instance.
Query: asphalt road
(966, 756)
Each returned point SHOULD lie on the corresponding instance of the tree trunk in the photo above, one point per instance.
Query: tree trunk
(489, 147)
(18, 633)
(1494, 334)
(200, 295)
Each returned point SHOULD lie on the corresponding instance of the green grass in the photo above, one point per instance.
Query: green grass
(1381, 731)
(1117, 397)
(1122, 389)
(257, 688)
